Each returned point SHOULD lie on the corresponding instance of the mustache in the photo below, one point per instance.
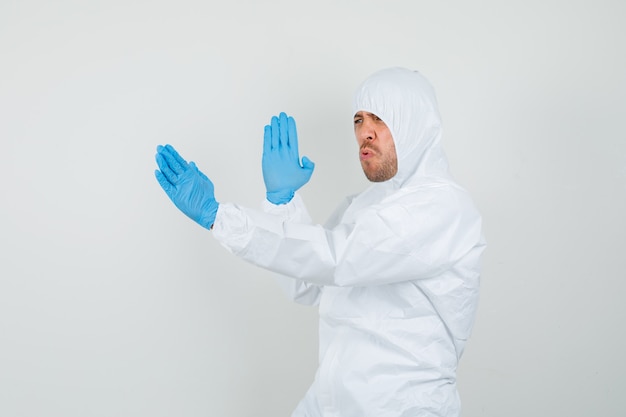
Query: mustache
(368, 148)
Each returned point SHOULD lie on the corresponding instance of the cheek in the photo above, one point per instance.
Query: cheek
(388, 141)
(393, 155)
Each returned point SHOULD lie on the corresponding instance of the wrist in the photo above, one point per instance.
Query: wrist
(207, 218)
(280, 197)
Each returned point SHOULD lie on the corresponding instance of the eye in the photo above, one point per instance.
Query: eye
(357, 121)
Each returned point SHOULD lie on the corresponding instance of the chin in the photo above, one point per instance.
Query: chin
(374, 178)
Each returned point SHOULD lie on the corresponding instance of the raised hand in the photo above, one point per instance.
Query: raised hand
(283, 173)
(188, 188)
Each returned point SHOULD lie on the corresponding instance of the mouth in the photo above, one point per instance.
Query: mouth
(366, 153)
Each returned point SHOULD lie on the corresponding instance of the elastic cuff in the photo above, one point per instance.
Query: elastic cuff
(280, 197)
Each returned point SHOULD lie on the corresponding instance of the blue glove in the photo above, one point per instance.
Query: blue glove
(188, 188)
(282, 172)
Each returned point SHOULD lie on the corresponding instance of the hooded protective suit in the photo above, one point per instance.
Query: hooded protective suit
(395, 270)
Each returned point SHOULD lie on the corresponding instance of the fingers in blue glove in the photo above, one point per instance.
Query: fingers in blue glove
(292, 135)
(163, 181)
(284, 130)
(267, 139)
(168, 174)
(170, 163)
(179, 159)
(307, 164)
(195, 168)
(281, 134)
(275, 131)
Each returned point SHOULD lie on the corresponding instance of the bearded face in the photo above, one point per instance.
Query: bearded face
(377, 148)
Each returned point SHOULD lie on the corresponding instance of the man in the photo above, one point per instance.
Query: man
(395, 271)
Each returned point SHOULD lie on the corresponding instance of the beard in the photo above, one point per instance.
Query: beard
(386, 169)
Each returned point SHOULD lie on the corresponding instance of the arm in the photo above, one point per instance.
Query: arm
(414, 237)
(296, 290)
(283, 175)
(192, 192)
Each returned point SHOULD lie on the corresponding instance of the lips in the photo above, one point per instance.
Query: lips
(366, 153)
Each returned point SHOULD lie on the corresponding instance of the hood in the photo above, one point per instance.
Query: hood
(406, 102)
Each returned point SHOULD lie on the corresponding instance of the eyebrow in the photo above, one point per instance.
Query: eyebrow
(363, 114)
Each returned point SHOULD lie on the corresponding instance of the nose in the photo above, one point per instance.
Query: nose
(366, 131)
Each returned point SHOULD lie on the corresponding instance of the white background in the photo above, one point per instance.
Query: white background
(113, 303)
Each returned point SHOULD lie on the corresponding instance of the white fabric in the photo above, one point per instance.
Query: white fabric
(395, 270)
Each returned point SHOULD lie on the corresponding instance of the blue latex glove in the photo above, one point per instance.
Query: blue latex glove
(282, 172)
(188, 188)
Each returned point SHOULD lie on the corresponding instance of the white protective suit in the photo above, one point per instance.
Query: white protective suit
(395, 271)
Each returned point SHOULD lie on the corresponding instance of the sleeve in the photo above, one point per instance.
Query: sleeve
(295, 289)
(416, 236)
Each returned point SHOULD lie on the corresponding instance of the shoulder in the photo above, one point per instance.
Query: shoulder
(428, 191)
(431, 199)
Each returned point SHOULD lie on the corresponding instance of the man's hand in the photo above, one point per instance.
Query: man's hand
(282, 172)
(188, 188)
